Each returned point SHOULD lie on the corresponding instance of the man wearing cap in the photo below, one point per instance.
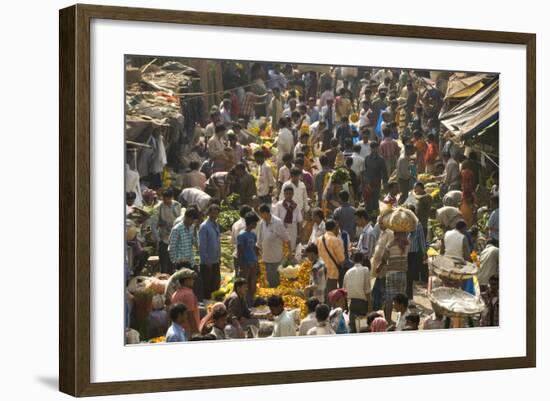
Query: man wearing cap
(187, 297)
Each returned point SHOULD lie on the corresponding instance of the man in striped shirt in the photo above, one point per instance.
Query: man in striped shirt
(416, 259)
(182, 239)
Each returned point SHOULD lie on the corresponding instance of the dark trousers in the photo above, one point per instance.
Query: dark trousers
(357, 307)
(249, 271)
(211, 279)
(332, 284)
(197, 285)
(378, 293)
(341, 273)
(166, 265)
(371, 201)
(416, 271)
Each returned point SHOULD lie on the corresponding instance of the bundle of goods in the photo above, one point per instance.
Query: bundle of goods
(138, 283)
(448, 216)
(399, 219)
(453, 302)
(132, 336)
(447, 268)
(158, 283)
(289, 272)
(452, 198)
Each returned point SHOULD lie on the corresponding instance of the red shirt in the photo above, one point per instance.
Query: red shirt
(431, 153)
(187, 297)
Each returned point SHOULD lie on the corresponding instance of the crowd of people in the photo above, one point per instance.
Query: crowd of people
(332, 151)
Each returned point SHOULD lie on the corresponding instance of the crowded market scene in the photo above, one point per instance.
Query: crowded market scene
(271, 199)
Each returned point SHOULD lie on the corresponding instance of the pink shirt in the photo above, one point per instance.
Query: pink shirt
(389, 149)
(187, 297)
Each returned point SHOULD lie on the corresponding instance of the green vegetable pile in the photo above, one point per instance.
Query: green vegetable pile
(340, 176)
(229, 213)
(227, 251)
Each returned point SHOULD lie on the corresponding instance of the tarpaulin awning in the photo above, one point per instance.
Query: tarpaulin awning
(474, 114)
(314, 68)
(462, 85)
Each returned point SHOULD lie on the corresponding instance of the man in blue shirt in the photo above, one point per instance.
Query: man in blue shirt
(178, 316)
(210, 252)
(247, 253)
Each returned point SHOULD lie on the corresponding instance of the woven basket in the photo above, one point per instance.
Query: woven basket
(450, 269)
(453, 302)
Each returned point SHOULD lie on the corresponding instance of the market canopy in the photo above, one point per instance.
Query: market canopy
(473, 114)
(463, 85)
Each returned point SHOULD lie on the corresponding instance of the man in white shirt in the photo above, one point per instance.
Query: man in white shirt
(284, 323)
(357, 284)
(358, 165)
(382, 74)
(195, 197)
(309, 321)
(488, 262)
(318, 230)
(323, 326)
(455, 243)
(287, 113)
(365, 143)
(271, 238)
(288, 212)
(299, 188)
(265, 182)
(285, 141)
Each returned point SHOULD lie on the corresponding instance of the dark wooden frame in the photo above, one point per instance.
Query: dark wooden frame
(74, 203)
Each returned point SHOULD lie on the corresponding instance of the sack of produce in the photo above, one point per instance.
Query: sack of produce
(399, 220)
(453, 302)
(448, 216)
(158, 283)
(452, 198)
(132, 336)
(289, 272)
(139, 283)
(449, 268)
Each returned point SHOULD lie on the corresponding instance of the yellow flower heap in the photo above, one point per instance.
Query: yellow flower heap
(288, 289)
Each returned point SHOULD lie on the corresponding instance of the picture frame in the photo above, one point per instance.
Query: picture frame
(75, 204)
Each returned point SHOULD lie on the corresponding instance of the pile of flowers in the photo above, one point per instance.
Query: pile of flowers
(290, 286)
(155, 340)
